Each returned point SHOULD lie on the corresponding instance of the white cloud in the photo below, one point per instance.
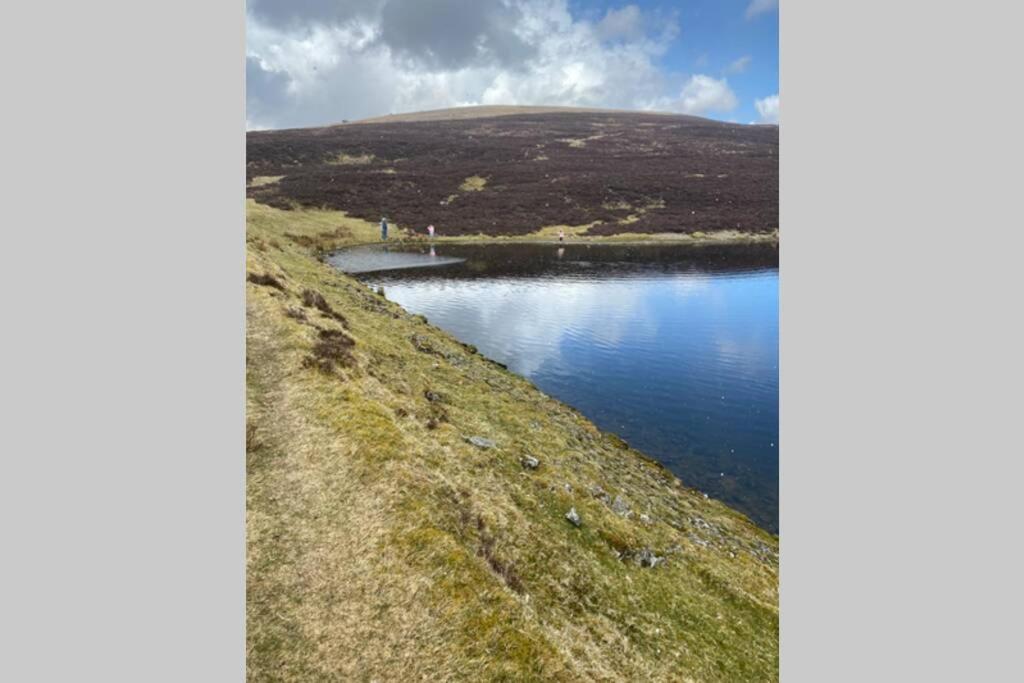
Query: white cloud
(757, 7)
(625, 22)
(703, 94)
(738, 66)
(768, 108)
(323, 72)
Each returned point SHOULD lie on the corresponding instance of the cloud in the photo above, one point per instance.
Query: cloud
(768, 108)
(625, 23)
(703, 94)
(757, 7)
(451, 34)
(738, 66)
(312, 63)
(305, 13)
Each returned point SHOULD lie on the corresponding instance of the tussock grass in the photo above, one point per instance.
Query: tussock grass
(473, 183)
(381, 545)
(344, 159)
(260, 181)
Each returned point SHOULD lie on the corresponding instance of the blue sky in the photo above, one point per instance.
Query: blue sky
(718, 38)
(316, 62)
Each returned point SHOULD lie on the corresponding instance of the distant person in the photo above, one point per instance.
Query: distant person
(561, 235)
(430, 231)
(383, 228)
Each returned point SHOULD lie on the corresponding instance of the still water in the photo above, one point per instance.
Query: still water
(674, 348)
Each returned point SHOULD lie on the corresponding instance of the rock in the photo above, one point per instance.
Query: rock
(431, 396)
(481, 442)
(529, 462)
(620, 507)
(573, 517)
(645, 558)
(568, 487)
(599, 493)
(646, 519)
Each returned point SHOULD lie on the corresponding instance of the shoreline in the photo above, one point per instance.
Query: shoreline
(390, 482)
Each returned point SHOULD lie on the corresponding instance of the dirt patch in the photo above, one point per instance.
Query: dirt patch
(316, 300)
(333, 349)
(266, 280)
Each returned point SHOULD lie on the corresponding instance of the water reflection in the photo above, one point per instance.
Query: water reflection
(675, 349)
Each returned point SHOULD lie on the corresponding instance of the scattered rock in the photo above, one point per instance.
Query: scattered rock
(646, 519)
(529, 462)
(620, 507)
(432, 396)
(599, 493)
(481, 442)
(573, 516)
(646, 558)
(642, 557)
(423, 345)
(568, 487)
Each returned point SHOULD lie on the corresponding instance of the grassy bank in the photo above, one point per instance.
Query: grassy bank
(384, 544)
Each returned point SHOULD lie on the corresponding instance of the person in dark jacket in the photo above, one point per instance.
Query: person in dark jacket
(383, 228)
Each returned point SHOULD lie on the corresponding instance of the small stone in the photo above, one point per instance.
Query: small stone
(646, 558)
(568, 487)
(529, 462)
(573, 517)
(481, 442)
(646, 519)
(431, 396)
(620, 507)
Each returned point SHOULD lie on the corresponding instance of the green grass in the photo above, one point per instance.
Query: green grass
(383, 546)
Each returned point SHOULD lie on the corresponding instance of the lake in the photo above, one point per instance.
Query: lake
(672, 347)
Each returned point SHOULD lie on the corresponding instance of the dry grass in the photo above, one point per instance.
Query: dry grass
(382, 546)
(344, 159)
(260, 181)
(473, 183)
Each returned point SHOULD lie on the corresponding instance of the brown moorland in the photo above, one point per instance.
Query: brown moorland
(515, 173)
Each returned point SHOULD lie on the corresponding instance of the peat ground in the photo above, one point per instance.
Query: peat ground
(513, 175)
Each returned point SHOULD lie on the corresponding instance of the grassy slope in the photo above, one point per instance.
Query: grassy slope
(383, 546)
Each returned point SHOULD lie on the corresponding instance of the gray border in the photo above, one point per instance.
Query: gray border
(122, 494)
(900, 341)
(122, 489)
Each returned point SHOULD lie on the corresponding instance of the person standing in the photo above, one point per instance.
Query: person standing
(561, 235)
(430, 231)
(383, 228)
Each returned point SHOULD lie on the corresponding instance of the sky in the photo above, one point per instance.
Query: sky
(318, 62)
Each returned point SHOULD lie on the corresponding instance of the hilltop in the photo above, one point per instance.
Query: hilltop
(516, 171)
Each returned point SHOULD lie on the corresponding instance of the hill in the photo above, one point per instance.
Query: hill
(500, 171)
(414, 511)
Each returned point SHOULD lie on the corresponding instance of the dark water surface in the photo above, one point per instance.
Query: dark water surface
(674, 348)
